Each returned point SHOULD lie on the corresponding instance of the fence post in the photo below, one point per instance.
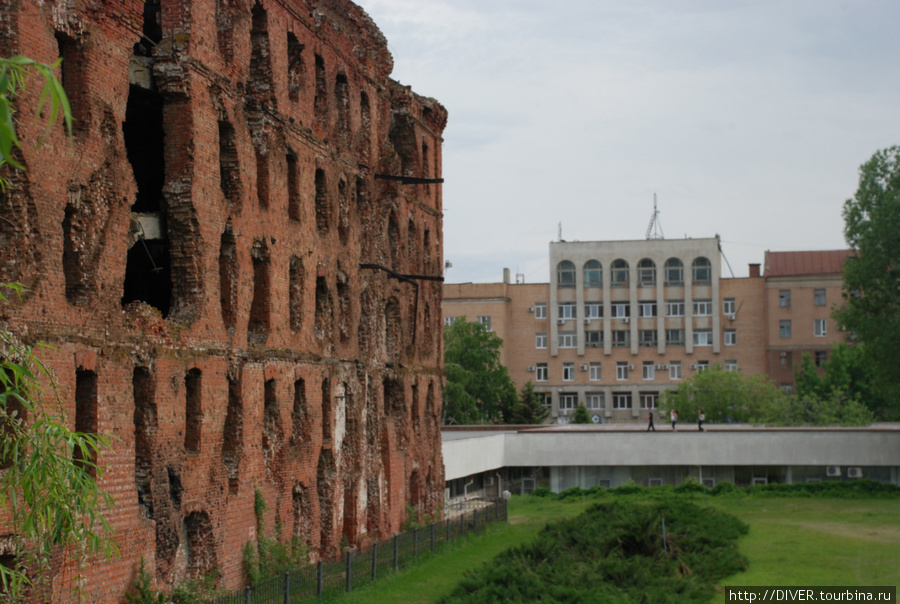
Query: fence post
(374, 560)
(462, 524)
(448, 531)
(318, 578)
(416, 542)
(247, 593)
(396, 554)
(432, 537)
(349, 568)
(475, 520)
(287, 587)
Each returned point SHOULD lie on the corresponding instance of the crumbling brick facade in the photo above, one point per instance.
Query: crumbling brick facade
(236, 284)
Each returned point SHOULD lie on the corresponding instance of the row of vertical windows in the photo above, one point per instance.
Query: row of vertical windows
(646, 337)
(648, 369)
(701, 272)
(646, 309)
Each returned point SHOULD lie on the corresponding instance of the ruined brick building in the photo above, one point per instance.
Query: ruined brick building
(237, 260)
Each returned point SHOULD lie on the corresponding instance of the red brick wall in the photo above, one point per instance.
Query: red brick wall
(333, 461)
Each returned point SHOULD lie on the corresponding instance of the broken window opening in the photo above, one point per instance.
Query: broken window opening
(342, 96)
(225, 30)
(148, 275)
(343, 212)
(201, 545)
(145, 147)
(295, 294)
(233, 437)
(229, 168)
(324, 311)
(301, 513)
(393, 232)
(73, 77)
(298, 416)
(365, 114)
(260, 83)
(344, 309)
(228, 277)
(143, 388)
(193, 416)
(262, 175)
(325, 479)
(293, 186)
(326, 411)
(258, 327)
(295, 67)
(392, 334)
(320, 102)
(411, 245)
(272, 432)
(323, 211)
(151, 30)
(86, 416)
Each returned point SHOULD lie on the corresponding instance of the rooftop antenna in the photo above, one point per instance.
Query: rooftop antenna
(654, 229)
(559, 232)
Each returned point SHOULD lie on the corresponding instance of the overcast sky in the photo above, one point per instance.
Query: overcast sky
(749, 119)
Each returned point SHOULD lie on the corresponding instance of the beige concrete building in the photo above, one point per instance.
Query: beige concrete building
(622, 321)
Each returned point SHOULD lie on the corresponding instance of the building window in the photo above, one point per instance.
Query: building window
(702, 366)
(448, 321)
(541, 375)
(675, 370)
(540, 310)
(787, 359)
(594, 374)
(621, 339)
(819, 297)
(820, 328)
(647, 338)
(702, 269)
(730, 337)
(593, 339)
(567, 402)
(620, 310)
(567, 339)
(646, 272)
(565, 274)
(486, 321)
(649, 370)
(593, 274)
(548, 400)
(568, 372)
(731, 365)
(647, 309)
(703, 337)
(674, 272)
(703, 308)
(649, 400)
(540, 340)
(821, 357)
(729, 307)
(784, 298)
(674, 308)
(594, 401)
(593, 310)
(621, 400)
(784, 328)
(567, 310)
(619, 273)
(622, 371)
(674, 337)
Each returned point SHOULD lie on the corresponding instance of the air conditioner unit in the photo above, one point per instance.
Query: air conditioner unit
(627, 320)
(662, 366)
(833, 471)
(730, 316)
(587, 321)
(584, 367)
(854, 473)
(488, 481)
(531, 368)
(693, 366)
(531, 309)
(631, 368)
(561, 321)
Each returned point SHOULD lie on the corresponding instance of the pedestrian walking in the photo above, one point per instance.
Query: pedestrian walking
(700, 419)
(650, 425)
(674, 417)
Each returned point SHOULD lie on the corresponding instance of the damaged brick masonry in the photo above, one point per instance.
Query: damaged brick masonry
(237, 260)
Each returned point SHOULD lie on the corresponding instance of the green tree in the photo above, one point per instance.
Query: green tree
(48, 475)
(478, 390)
(872, 274)
(530, 408)
(581, 415)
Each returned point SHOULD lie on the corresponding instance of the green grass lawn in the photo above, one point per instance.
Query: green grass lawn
(793, 541)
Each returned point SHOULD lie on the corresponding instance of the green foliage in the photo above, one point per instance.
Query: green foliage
(141, 591)
(270, 556)
(51, 499)
(478, 389)
(530, 408)
(581, 415)
(731, 396)
(615, 551)
(846, 375)
(197, 591)
(872, 273)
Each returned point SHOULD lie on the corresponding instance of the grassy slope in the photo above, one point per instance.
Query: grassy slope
(792, 542)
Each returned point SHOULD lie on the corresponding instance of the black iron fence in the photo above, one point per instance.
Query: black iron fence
(362, 566)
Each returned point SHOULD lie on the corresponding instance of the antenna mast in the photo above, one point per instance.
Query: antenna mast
(654, 229)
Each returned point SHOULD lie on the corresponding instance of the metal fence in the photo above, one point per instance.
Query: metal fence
(362, 566)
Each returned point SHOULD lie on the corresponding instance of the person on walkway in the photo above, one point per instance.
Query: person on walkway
(650, 425)
(674, 417)
(700, 419)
